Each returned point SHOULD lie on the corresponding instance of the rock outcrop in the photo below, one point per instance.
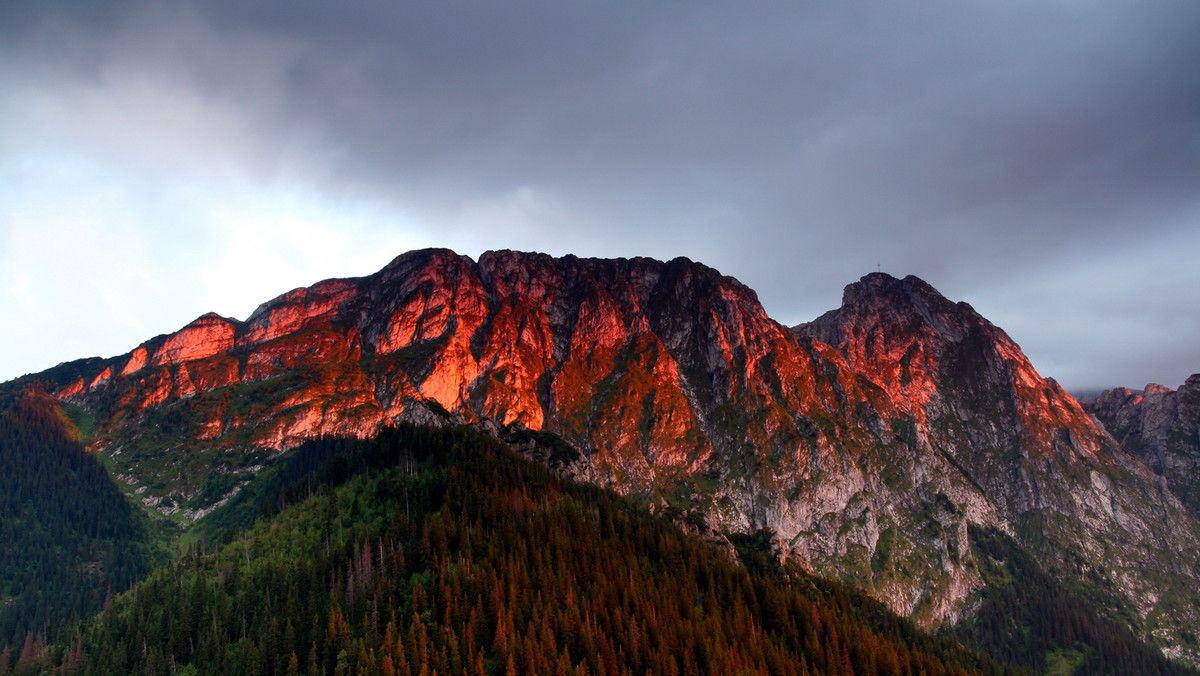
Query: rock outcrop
(1162, 427)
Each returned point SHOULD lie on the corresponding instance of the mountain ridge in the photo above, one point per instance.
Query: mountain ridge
(868, 440)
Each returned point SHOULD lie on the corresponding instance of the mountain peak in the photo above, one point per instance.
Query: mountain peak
(928, 352)
(906, 304)
(883, 284)
(890, 308)
(1155, 388)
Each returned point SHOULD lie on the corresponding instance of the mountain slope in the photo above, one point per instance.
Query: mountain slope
(446, 553)
(868, 442)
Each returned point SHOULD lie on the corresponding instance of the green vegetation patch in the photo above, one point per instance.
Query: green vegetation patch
(1028, 618)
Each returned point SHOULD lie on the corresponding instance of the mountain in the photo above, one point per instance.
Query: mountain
(1056, 479)
(1162, 427)
(869, 443)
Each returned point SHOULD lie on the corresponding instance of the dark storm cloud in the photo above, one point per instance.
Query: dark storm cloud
(1023, 126)
(984, 146)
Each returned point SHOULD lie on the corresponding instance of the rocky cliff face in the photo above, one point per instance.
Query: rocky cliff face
(1162, 427)
(867, 441)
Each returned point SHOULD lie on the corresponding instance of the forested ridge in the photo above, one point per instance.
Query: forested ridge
(69, 536)
(440, 551)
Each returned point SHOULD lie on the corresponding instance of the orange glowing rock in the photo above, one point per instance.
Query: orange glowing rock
(208, 335)
(73, 390)
(101, 378)
(136, 361)
(157, 388)
(183, 386)
(288, 313)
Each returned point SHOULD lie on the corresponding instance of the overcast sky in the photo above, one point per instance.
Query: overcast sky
(1039, 160)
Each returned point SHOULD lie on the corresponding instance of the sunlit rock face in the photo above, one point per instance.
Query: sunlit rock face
(868, 441)
(1162, 427)
(207, 336)
(967, 385)
(137, 359)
